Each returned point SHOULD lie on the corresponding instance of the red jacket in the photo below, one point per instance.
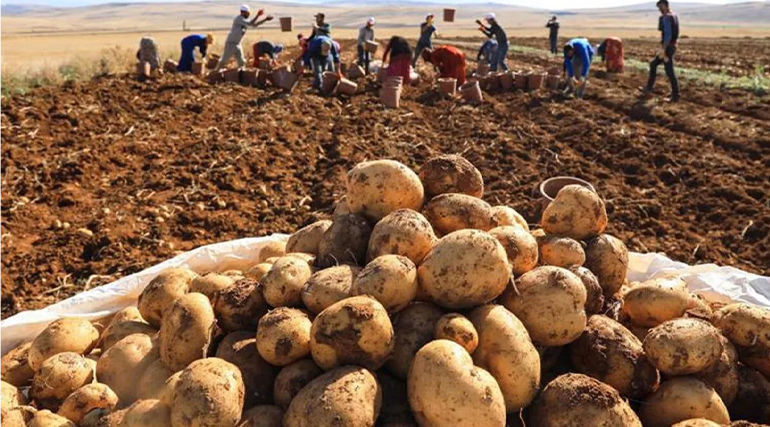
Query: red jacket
(450, 62)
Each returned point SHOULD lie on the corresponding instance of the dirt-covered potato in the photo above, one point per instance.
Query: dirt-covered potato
(124, 363)
(262, 416)
(456, 327)
(744, 324)
(186, 332)
(594, 292)
(446, 389)
(680, 399)
(520, 246)
(723, 374)
(465, 269)
(153, 380)
(46, 418)
(327, 286)
(103, 418)
(126, 322)
(414, 328)
(14, 418)
(162, 291)
(753, 399)
(345, 242)
(239, 307)
(64, 335)
(10, 397)
(576, 212)
(306, 239)
(550, 301)
(451, 212)
(15, 366)
(282, 285)
(503, 216)
(292, 379)
(58, 377)
(697, 422)
(354, 331)
(211, 283)
(272, 249)
(607, 257)
(259, 271)
(147, 413)
(283, 336)
(655, 301)
(451, 174)
(403, 232)
(576, 399)
(348, 396)
(240, 349)
(86, 399)
(699, 307)
(758, 357)
(683, 346)
(377, 188)
(390, 279)
(168, 391)
(506, 351)
(560, 251)
(612, 354)
(209, 393)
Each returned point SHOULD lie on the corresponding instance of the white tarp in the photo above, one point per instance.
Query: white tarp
(725, 282)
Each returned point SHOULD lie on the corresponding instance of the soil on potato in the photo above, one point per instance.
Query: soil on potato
(105, 178)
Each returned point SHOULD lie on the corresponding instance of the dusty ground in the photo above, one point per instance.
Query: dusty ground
(140, 171)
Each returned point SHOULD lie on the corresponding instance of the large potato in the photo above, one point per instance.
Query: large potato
(86, 399)
(210, 284)
(354, 331)
(282, 285)
(379, 187)
(46, 418)
(607, 257)
(259, 271)
(64, 335)
(168, 392)
(753, 399)
(612, 354)
(272, 249)
(390, 279)
(560, 251)
(147, 413)
(403, 232)
(506, 351)
(126, 322)
(503, 216)
(15, 366)
(240, 306)
(576, 212)
(14, 418)
(683, 346)
(162, 291)
(153, 380)
(758, 357)
(186, 332)
(680, 399)
(520, 246)
(655, 301)
(465, 269)
(594, 292)
(457, 328)
(579, 400)
(744, 324)
(58, 377)
(327, 286)
(723, 374)
(124, 363)
(452, 212)
(306, 239)
(240, 349)
(209, 393)
(262, 416)
(11, 397)
(283, 336)
(445, 389)
(414, 328)
(292, 379)
(345, 242)
(550, 301)
(348, 396)
(451, 174)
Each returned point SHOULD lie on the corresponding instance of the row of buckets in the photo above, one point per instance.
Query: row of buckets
(281, 76)
(287, 22)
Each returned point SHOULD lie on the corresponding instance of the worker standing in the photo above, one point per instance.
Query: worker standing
(611, 52)
(265, 48)
(365, 33)
(488, 51)
(189, 44)
(668, 25)
(321, 27)
(149, 52)
(449, 60)
(496, 31)
(233, 46)
(427, 30)
(400, 58)
(322, 55)
(578, 54)
(553, 33)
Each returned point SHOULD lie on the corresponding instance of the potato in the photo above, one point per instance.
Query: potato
(465, 269)
(162, 291)
(753, 399)
(309, 258)
(70, 334)
(292, 379)
(212, 283)
(655, 301)
(262, 416)
(402, 232)
(86, 399)
(209, 393)
(123, 364)
(506, 351)
(414, 328)
(240, 306)
(168, 392)
(272, 249)
(282, 285)
(390, 279)
(560, 251)
(395, 402)
(683, 346)
(457, 328)
(723, 374)
(576, 399)
(283, 336)
(354, 331)
(348, 396)
(576, 212)
(147, 413)
(103, 418)
(240, 349)
(58, 377)
(186, 332)
(451, 212)
(15, 366)
(594, 292)
(234, 274)
(153, 380)
(126, 322)
(445, 389)
(680, 399)
(758, 357)
(259, 271)
(11, 397)
(14, 418)
(451, 174)
(696, 422)
(505, 216)
(327, 286)
(612, 354)
(744, 324)
(699, 307)
(520, 246)
(46, 418)
(550, 302)
(379, 187)
(345, 242)
(306, 239)
(607, 257)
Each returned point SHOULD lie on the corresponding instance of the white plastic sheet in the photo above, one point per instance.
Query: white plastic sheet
(725, 283)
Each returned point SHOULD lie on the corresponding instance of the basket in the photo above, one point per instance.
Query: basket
(286, 24)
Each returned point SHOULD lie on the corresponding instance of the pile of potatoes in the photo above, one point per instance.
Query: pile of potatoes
(416, 304)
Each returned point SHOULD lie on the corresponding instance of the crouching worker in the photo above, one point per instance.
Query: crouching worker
(189, 44)
(267, 49)
(611, 52)
(578, 54)
(148, 52)
(449, 60)
(400, 58)
(322, 55)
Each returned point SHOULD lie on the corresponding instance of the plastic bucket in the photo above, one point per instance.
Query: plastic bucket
(394, 81)
(213, 61)
(215, 76)
(232, 75)
(346, 87)
(286, 80)
(471, 92)
(328, 82)
(169, 66)
(198, 69)
(554, 71)
(535, 81)
(448, 86)
(250, 77)
(265, 64)
(493, 82)
(552, 82)
(449, 15)
(521, 80)
(371, 46)
(482, 69)
(286, 24)
(391, 96)
(550, 187)
(506, 80)
(356, 72)
(143, 69)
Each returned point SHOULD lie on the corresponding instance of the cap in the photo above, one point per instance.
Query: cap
(278, 48)
(245, 8)
(210, 38)
(370, 21)
(428, 16)
(489, 16)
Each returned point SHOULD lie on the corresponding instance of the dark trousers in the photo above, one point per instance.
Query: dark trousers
(554, 41)
(363, 58)
(669, 66)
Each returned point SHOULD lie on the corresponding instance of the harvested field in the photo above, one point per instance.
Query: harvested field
(105, 178)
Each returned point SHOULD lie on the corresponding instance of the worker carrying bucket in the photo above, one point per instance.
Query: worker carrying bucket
(266, 49)
(233, 46)
(365, 34)
(189, 44)
(611, 51)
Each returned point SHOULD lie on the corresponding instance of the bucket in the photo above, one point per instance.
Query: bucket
(263, 78)
(215, 76)
(448, 86)
(286, 24)
(232, 75)
(394, 81)
(198, 68)
(482, 69)
(535, 81)
(250, 77)
(265, 64)
(550, 187)
(143, 69)
(449, 15)
(170, 66)
(382, 73)
(328, 82)
(521, 80)
(371, 46)
(390, 95)
(506, 81)
(552, 82)
(554, 71)
(493, 82)
(346, 87)
(285, 79)
(213, 61)
(356, 72)
(471, 92)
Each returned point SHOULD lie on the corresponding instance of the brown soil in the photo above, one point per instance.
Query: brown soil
(141, 171)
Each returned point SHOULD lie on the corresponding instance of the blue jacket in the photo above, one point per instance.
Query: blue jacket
(584, 51)
(189, 43)
(314, 50)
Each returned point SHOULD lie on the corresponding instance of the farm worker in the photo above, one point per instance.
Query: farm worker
(488, 51)
(233, 46)
(553, 33)
(321, 28)
(148, 52)
(449, 60)
(265, 48)
(189, 44)
(427, 30)
(668, 25)
(400, 56)
(578, 54)
(497, 31)
(611, 51)
(365, 33)
(322, 55)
